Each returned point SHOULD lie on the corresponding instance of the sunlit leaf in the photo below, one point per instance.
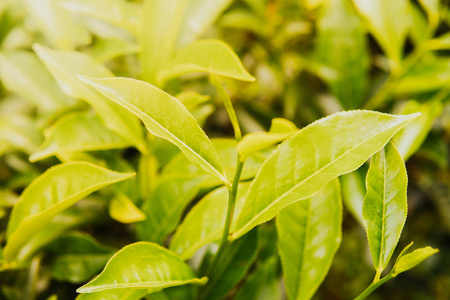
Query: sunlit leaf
(78, 132)
(21, 68)
(280, 130)
(409, 139)
(341, 45)
(52, 192)
(307, 161)
(122, 209)
(76, 257)
(205, 56)
(56, 24)
(199, 16)
(65, 65)
(115, 294)
(204, 222)
(389, 22)
(353, 192)
(121, 13)
(142, 265)
(107, 49)
(165, 117)
(432, 7)
(385, 207)
(309, 234)
(410, 260)
(18, 132)
(160, 24)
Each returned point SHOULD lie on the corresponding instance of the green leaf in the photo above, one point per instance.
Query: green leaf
(109, 48)
(19, 132)
(389, 22)
(78, 132)
(21, 68)
(199, 16)
(432, 7)
(315, 155)
(165, 117)
(409, 139)
(309, 234)
(122, 209)
(204, 222)
(142, 265)
(385, 207)
(280, 130)
(210, 56)
(341, 45)
(165, 206)
(412, 259)
(236, 260)
(115, 294)
(353, 192)
(56, 24)
(160, 24)
(76, 257)
(55, 190)
(65, 65)
(120, 13)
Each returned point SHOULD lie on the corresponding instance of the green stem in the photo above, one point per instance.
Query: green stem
(373, 286)
(232, 193)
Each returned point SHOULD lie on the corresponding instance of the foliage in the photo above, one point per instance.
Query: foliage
(121, 178)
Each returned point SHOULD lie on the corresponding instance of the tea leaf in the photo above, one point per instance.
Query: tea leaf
(165, 117)
(55, 23)
(199, 16)
(18, 132)
(142, 265)
(410, 260)
(385, 208)
(109, 48)
(409, 139)
(204, 222)
(236, 260)
(120, 13)
(308, 160)
(122, 209)
(21, 68)
(65, 65)
(115, 294)
(160, 24)
(389, 22)
(280, 130)
(309, 234)
(432, 8)
(353, 192)
(75, 133)
(52, 192)
(205, 56)
(339, 32)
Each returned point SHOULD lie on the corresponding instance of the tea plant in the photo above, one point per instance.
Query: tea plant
(163, 211)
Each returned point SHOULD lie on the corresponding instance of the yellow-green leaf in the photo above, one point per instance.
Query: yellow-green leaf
(142, 265)
(205, 56)
(65, 65)
(115, 294)
(108, 48)
(309, 234)
(122, 209)
(280, 130)
(55, 190)
(410, 260)
(165, 117)
(75, 133)
(300, 166)
(385, 207)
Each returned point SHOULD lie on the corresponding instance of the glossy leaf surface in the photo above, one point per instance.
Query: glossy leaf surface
(280, 130)
(308, 160)
(78, 132)
(204, 222)
(165, 117)
(206, 56)
(410, 260)
(309, 234)
(122, 209)
(385, 207)
(389, 22)
(115, 294)
(65, 65)
(142, 265)
(52, 192)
